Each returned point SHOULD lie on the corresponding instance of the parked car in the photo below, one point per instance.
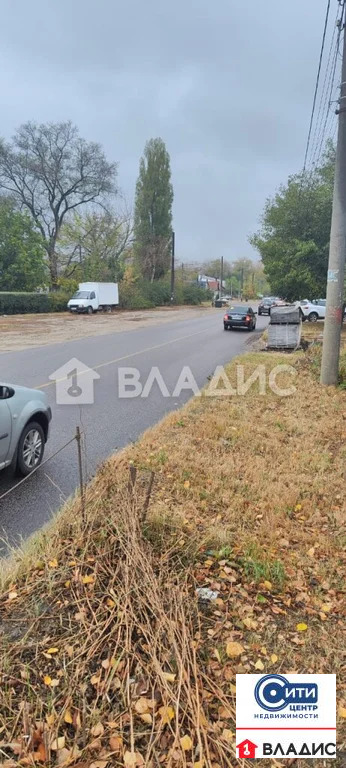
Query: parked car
(313, 310)
(240, 316)
(24, 427)
(266, 304)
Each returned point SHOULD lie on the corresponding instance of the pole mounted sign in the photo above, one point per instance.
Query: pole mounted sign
(286, 716)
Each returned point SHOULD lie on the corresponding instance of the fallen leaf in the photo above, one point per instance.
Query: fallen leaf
(130, 758)
(41, 753)
(63, 756)
(67, 583)
(186, 743)
(169, 677)
(268, 585)
(97, 730)
(110, 602)
(116, 743)
(234, 649)
(99, 764)
(51, 651)
(53, 563)
(89, 579)
(273, 658)
(147, 718)
(95, 679)
(301, 627)
(47, 680)
(68, 717)
(167, 714)
(50, 719)
(187, 484)
(142, 705)
(58, 743)
(12, 595)
(199, 764)
(259, 665)
(227, 735)
(342, 712)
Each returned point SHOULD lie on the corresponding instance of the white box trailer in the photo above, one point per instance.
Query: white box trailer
(94, 297)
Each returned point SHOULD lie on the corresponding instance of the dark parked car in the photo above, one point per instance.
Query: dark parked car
(241, 316)
(266, 304)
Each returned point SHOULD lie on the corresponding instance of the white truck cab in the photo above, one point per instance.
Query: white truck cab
(94, 297)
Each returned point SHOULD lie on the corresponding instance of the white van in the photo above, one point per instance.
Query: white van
(94, 297)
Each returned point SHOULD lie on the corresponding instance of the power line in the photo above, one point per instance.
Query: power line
(317, 84)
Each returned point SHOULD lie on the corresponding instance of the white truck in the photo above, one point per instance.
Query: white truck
(94, 297)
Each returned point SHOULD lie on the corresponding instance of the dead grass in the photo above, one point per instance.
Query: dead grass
(103, 642)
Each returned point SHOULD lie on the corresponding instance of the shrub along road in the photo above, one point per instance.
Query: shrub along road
(109, 423)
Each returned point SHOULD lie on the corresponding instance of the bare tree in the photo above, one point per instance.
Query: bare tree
(93, 244)
(51, 171)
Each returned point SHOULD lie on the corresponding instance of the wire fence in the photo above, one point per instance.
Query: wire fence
(77, 438)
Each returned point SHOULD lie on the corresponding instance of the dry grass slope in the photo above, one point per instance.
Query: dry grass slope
(107, 657)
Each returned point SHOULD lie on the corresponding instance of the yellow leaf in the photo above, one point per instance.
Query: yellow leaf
(250, 623)
(47, 680)
(71, 563)
(232, 688)
(12, 595)
(326, 607)
(51, 651)
(186, 743)
(110, 602)
(58, 743)
(227, 735)
(50, 720)
(67, 583)
(53, 563)
(268, 585)
(199, 764)
(95, 679)
(342, 712)
(311, 552)
(187, 484)
(97, 730)
(297, 508)
(169, 677)
(99, 764)
(259, 665)
(55, 682)
(89, 579)
(167, 714)
(68, 717)
(234, 649)
(273, 658)
(301, 627)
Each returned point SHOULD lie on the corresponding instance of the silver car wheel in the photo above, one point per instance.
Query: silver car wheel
(32, 449)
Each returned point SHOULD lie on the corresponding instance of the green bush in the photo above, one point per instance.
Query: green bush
(25, 303)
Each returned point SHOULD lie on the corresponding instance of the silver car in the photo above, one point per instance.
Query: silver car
(24, 426)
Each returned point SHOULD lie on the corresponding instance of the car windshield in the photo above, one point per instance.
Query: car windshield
(81, 295)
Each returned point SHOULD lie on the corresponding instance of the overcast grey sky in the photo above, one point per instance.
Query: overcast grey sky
(228, 86)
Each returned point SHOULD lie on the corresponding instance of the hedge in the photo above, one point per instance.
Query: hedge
(24, 303)
(140, 295)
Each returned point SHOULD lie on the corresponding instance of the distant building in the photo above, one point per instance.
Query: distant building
(211, 283)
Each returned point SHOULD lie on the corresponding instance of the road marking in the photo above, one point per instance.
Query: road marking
(125, 357)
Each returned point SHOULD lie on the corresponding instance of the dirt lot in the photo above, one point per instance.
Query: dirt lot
(23, 331)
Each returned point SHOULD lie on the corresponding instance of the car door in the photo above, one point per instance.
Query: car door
(5, 428)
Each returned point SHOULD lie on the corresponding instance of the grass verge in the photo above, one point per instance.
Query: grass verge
(108, 657)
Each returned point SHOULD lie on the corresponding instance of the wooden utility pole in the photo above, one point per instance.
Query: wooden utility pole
(337, 251)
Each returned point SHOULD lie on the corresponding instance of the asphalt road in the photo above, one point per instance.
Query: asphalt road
(110, 422)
